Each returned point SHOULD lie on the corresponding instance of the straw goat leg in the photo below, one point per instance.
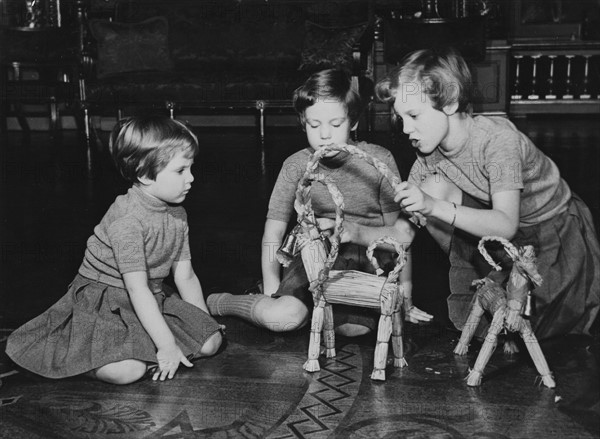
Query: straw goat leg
(384, 330)
(469, 328)
(491, 339)
(397, 328)
(532, 345)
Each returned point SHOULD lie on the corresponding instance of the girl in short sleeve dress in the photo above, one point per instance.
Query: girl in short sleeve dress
(119, 320)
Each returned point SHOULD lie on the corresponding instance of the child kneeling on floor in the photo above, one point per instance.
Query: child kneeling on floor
(477, 176)
(328, 108)
(118, 320)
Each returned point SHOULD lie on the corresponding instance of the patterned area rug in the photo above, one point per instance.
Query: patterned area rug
(256, 387)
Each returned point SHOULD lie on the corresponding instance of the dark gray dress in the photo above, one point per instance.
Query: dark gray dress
(94, 323)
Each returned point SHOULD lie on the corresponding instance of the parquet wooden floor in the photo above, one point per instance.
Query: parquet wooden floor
(53, 192)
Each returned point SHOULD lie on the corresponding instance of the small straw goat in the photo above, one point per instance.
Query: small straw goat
(507, 307)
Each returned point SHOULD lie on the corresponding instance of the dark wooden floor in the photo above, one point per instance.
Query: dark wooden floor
(53, 192)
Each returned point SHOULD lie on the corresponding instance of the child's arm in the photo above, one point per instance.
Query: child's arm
(401, 231)
(501, 220)
(188, 284)
(271, 269)
(400, 228)
(168, 354)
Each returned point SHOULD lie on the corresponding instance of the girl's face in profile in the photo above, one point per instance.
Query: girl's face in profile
(173, 183)
(327, 124)
(426, 127)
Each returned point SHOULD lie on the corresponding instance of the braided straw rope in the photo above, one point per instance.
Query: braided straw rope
(306, 214)
(390, 295)
(306, 217)
(508, 247)
(400, 260)
(313, 162)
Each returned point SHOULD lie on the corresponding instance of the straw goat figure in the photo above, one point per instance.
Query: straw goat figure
(507, 307)
(349, 287)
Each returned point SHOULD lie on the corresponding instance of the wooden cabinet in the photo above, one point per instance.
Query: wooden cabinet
(540, 56)
(554, 77)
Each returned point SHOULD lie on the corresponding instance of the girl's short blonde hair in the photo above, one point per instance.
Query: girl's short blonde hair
(443, 76)
(143, 146)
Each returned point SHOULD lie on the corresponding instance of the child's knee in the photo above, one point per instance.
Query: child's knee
(352, 330)
(287, 313)
(121, 372)
(212, 345)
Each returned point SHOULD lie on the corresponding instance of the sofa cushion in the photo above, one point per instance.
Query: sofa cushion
(131, 47)
(327, 47)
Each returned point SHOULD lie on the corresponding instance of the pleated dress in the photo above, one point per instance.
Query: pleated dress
(94, 323)
(556, 222)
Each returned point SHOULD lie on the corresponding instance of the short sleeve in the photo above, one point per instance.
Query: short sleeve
(185, 252)
(281, 203)
(503, 162)
(126, 238)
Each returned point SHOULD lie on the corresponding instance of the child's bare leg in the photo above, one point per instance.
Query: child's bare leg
(352, 330)
(120, 372)
(279, 314)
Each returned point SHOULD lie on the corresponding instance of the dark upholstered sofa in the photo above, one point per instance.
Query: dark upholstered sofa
(208, 56)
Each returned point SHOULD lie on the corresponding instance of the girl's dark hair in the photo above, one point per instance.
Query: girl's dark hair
(443, 74)
(330, 85)
(143, 146)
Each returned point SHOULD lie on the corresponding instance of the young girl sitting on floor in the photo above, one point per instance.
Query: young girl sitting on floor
(118, 319)
(328, 107)
(476, 176)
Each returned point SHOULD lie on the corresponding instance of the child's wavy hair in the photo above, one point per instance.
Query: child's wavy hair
(143, 146)
(333, 85)
(443, 74)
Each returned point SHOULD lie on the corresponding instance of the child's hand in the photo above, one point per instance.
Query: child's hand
(168, 362)
(326, 226)
(413, 199)
(415, 315)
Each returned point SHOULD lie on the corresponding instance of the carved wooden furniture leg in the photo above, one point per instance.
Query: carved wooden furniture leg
(491, 339)
(397, 328)
(532, 345)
